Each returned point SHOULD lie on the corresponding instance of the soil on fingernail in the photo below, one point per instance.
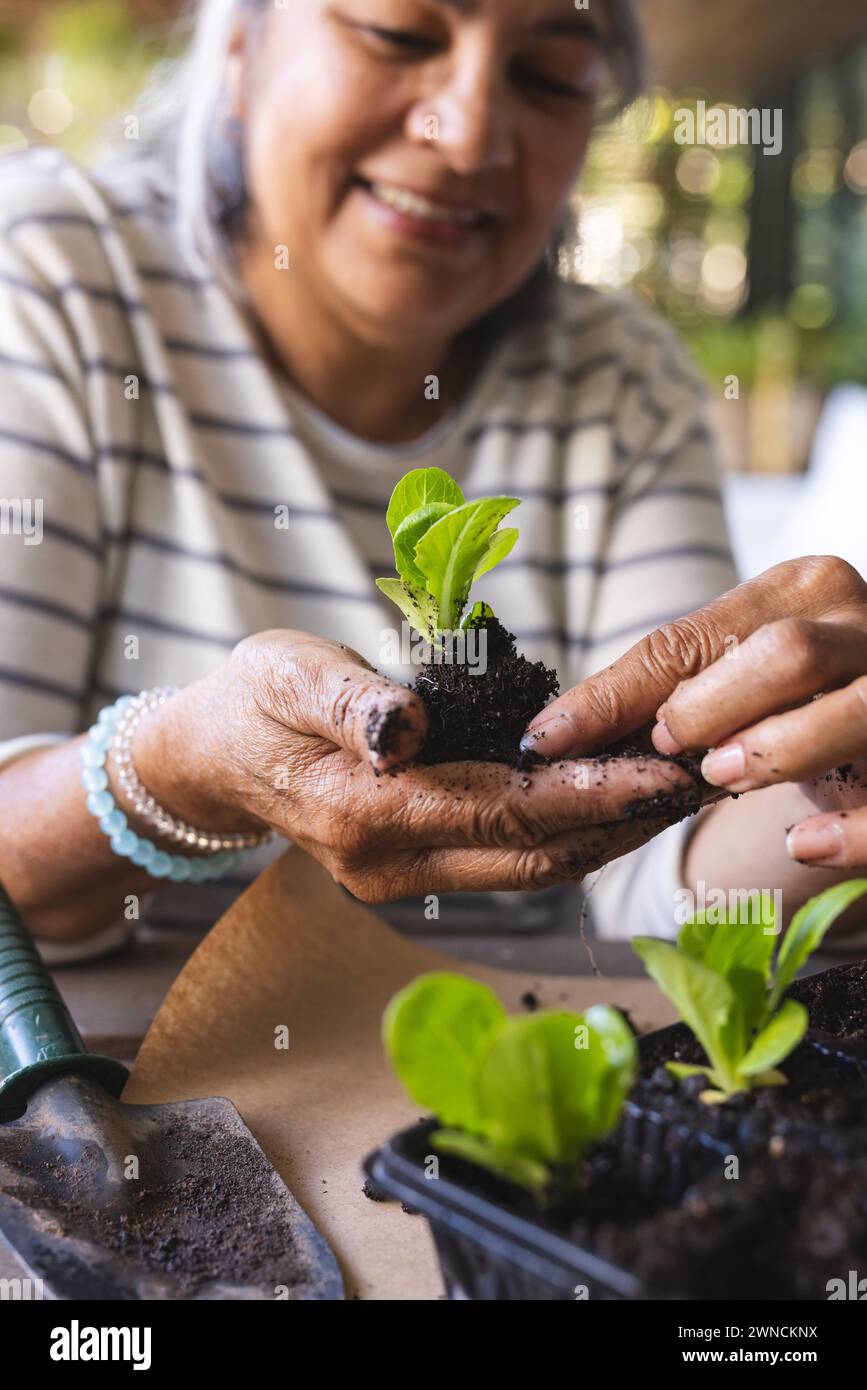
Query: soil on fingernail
(385, 728)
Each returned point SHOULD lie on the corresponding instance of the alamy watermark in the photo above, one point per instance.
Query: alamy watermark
(729, 125)
(22, 516)
(406, 647)
(21, 1290)
(757, 907)
(852, 1288)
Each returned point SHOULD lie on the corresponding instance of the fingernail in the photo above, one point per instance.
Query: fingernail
(663, 741)
(553, 737)
(724, 766)
(810, 843)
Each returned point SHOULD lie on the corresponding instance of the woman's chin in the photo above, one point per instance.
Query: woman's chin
(408, 313)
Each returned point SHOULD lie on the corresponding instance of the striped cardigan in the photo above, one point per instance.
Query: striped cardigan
(166, 492)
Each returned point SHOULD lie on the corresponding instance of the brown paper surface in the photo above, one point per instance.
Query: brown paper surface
(294, 951)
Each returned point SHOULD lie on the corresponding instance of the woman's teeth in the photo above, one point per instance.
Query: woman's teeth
(414, 205)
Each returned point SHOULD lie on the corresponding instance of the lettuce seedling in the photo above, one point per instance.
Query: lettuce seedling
(442, 545)
(720, 978)
(523, 1097)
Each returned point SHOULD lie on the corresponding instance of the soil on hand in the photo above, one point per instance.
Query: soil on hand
(482, 716)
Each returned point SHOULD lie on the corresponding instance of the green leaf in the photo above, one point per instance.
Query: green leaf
(739, 950)
(503, 544)
(621, 1055)
(478, 616)
(419, 488)
(682, 1070)
(442, 545)
(777, 1040)
(807, 931)
(436, 1031)
(415, 605)
(703, 998)
(516, 1095)
(450, 552)
(730, 944)
(749, 992)
(408, 535)
(616, 1037)
(541, 1095)
(527, 1172)
(770, 1078)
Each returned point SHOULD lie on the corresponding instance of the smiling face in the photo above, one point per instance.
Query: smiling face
(415, 155)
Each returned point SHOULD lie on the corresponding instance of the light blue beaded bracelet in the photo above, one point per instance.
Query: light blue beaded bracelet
(113, 823)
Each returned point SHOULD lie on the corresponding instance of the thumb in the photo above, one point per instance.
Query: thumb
(338, 696)
(627, 695)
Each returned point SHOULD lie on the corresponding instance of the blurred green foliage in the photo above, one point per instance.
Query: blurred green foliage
(94, 51)
(769, 343)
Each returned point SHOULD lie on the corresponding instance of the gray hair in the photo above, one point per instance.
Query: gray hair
(189, 136)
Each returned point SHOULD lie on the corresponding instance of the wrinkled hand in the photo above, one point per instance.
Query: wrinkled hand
(772, 677)
(299, 733)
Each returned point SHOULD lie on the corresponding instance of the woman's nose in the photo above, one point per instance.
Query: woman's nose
(470, 122)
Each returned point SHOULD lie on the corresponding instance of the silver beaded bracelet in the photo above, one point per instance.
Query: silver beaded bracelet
(146, 808)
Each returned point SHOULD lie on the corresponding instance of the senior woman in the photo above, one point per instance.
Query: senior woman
(323, 260)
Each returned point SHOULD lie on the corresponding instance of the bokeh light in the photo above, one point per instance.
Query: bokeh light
(812, 306)
(12, 139)
(50, 111)
(724, 278)
(816, 177)
(698, 172)
(855, 168)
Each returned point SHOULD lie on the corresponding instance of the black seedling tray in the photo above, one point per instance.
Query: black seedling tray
(491, 1250)
(666, 1157)
(847, 1050)
(488, 1251)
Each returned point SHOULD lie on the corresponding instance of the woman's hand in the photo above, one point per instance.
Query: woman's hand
(743, 677)
(299, 733)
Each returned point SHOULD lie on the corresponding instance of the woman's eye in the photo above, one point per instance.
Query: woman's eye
(401, 38)
(551, 86)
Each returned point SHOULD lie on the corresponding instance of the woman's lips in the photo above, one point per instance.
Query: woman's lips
(423, 219)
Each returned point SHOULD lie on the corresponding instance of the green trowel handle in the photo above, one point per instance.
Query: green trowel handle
(38, 1038)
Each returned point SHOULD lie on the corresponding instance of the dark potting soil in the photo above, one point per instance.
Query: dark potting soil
(482, 716)
(836, 1000)
(783, 1230)
(823, 1107)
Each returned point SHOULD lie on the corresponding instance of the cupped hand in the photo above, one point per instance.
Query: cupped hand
(302, 735)
(771, 677)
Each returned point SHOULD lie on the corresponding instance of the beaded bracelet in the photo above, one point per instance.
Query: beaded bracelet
(113, 822)
(139, 798)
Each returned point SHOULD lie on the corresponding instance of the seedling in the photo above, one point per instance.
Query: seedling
(721, 979)
(523, 1097)
(442, 545)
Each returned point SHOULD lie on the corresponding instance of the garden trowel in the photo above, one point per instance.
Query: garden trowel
(103, 1200)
